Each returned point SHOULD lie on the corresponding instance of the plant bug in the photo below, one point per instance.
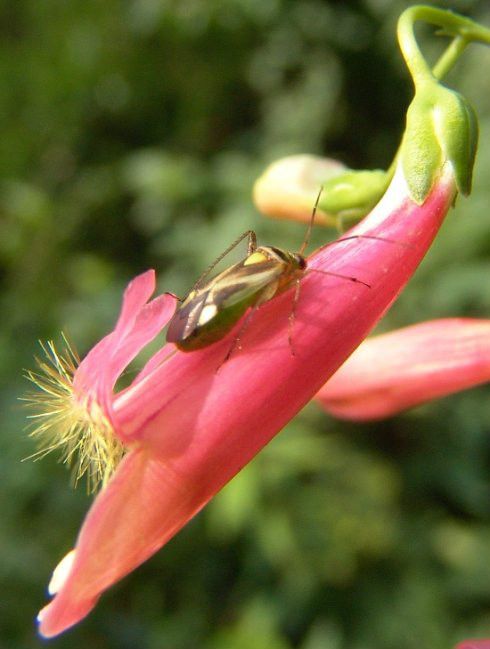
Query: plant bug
(212, 308)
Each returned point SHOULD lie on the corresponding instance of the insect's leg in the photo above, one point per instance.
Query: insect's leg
(252, 244)
(292, 316)
(236, 344)
(332, 274)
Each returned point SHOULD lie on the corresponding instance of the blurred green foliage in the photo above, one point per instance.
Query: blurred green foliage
(131, 135)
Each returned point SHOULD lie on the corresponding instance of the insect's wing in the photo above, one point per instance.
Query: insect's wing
(186, 318)
(241, 284)
(244, 282)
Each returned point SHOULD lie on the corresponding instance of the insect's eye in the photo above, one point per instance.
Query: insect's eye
(301, 262)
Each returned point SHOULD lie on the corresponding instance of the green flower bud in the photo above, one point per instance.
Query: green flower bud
(352, 194)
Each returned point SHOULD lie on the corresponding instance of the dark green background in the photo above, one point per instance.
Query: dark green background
(131, 135)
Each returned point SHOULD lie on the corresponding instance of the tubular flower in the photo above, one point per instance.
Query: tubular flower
(412, 366)
(189, 421)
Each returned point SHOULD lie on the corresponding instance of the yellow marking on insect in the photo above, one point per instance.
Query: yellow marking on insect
(61, 420)
(255, 258)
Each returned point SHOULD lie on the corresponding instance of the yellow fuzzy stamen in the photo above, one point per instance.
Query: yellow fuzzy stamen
(61, 420)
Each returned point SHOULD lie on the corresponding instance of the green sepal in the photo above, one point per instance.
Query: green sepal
(352, 194)
(461, 149)
(441, 126)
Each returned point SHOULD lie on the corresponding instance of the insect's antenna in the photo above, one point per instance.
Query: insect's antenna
(306, 240)
(179, 299)
(371, 237)
(252, 244)
(332, 274)
(403, 244)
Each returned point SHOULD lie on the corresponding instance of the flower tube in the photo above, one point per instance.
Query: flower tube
(413, 365)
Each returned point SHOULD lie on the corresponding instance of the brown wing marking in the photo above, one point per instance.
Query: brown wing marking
(186, 318)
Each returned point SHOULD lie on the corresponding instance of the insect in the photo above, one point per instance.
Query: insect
(213, 307)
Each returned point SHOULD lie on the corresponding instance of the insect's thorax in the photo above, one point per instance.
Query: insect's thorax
(292, 260)
(291, 264)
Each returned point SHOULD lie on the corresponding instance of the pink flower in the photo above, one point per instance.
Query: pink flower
(413, 365)
(188, 428)
(474, 644)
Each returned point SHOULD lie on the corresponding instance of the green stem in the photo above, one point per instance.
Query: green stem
(463, 29)
(449, 57)
(416, 63)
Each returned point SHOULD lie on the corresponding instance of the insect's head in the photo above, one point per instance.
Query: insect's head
(299, 260)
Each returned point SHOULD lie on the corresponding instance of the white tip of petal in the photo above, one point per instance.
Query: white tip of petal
(40, 615)
(60, 574)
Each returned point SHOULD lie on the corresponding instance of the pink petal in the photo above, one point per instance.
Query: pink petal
(140, 510)
(198, 421)
(405, 368)
(474, 644)
(138, 323)
(137, 293)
